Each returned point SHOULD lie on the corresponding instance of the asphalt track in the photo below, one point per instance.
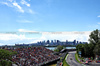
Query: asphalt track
(71, 59)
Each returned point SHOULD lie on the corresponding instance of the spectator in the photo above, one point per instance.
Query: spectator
(33, 56)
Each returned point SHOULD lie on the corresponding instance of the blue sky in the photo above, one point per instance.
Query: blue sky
(47, 16)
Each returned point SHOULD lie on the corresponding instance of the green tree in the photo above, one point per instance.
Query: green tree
(93, 48)
(95, 41)
(80, 47)
(90, 50)
(95, 37)
(97, 50)
(86, 50)
(5, 63)
(5, 57)
(59, 48)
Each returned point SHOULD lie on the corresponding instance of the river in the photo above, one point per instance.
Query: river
(52, 48)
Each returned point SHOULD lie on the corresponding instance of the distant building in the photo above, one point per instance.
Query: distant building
(74, 42)
(52, 43)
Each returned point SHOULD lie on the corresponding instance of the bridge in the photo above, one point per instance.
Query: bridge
(67, 50)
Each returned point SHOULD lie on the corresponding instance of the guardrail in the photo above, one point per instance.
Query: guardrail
(60, 63)
(49, 62)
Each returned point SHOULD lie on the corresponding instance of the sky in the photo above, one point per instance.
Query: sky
(29, 21)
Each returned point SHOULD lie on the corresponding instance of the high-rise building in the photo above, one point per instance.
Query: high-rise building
(66, 42)
(74, 42)
(77, 42)
(51, 42)
(48, 42)
(58, 42)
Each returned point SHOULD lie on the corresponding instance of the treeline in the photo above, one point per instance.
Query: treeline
(93, 48)
(59, 48)
(6, 57)
(86, 50)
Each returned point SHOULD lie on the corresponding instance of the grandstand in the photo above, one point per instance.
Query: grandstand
(33, 56)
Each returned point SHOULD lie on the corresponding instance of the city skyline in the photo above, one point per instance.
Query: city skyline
(53, 43)
(27, 21)
(13, 38)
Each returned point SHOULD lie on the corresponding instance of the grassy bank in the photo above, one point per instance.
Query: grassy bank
(64, 61)
(76, 57)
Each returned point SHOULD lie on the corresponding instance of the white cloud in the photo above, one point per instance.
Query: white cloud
(11, 36)
(24, 30)
(11, 39)
(63, 36)
(98, 16)
(10, 0)
(31, 11)
(13, 5)
(98, 22)
(94, 26)
(19, 7)
(24, 21)
(24, 2)
(7, 4)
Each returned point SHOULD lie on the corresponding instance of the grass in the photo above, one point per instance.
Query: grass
(64, 61)
(76, 57)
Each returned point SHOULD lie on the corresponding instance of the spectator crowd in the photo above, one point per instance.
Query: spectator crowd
(33, 56)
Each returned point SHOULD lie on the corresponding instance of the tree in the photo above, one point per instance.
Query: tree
(86, 50)
(59, 48)
(97, 50)
(93, 48)
(95, 37)
(95, 41)
(5, 63)
(80, 47)
(5, 57)
(90, 50)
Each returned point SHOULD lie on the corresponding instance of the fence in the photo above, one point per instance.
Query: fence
(60, 63)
